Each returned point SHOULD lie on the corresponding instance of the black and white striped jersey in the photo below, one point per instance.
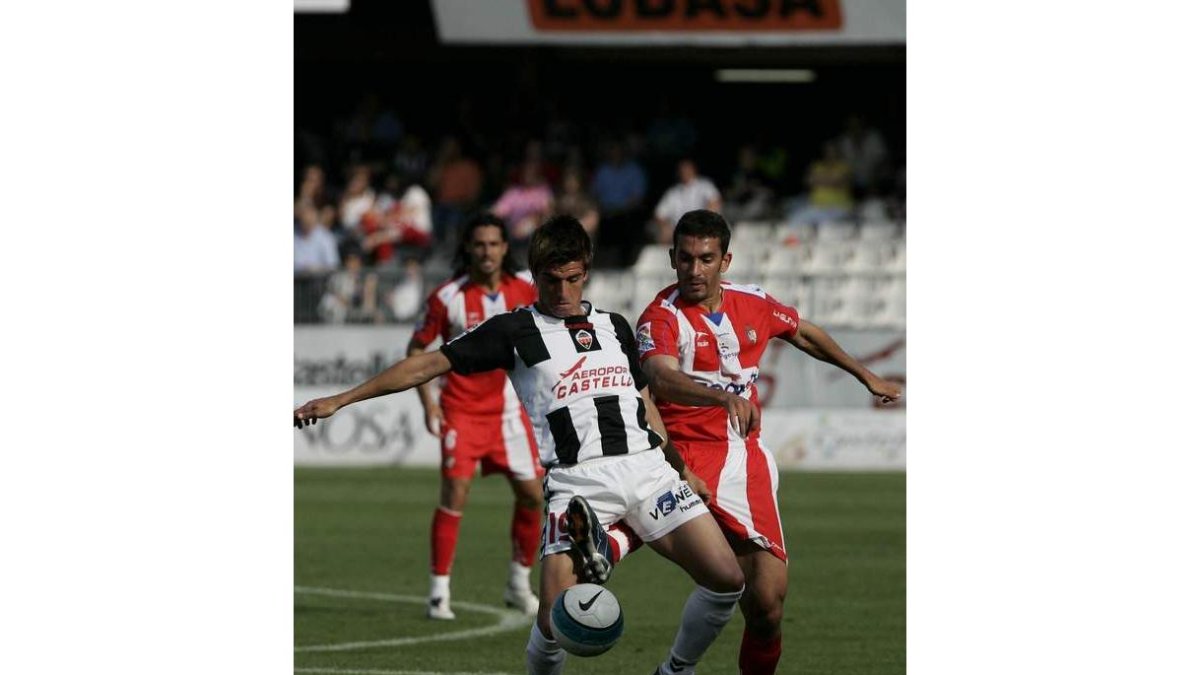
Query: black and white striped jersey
(578, 379)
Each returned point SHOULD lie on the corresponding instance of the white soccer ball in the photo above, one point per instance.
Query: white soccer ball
(586, 619)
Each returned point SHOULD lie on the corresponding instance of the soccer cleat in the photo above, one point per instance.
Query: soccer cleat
(589, 540)
(521, 599)
(439, 608)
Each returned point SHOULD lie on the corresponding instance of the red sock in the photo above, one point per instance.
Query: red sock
(759, 656)
(444, 539)
(621, 541)
(526, 534)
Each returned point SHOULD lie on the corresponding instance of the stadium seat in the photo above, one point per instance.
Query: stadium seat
(787, 262)
(896, 261)
(796, 234)
(757, 229)
(830, 257)
(833, 302)
(612, 291)
(836, 231)
(879, 231)
(892, 294)
(871, 256)
(652, 259)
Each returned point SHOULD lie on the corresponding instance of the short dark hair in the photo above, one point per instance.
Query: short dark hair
(559, 241)
(462, 260)
(702, 223)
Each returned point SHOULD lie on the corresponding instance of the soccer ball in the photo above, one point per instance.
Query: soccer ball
(586, 620)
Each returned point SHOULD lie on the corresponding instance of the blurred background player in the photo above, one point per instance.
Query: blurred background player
(479, 418)
(701, 341)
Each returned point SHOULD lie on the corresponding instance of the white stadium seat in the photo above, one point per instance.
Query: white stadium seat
(788, 261)
(836, 231)
(652, 259)
(833, 302)
(879, 231)
(830, 257)
(796, 234)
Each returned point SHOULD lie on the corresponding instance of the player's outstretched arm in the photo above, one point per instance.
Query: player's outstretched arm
(669, 383)
(812, 340)
(433, 411)
(403, 375)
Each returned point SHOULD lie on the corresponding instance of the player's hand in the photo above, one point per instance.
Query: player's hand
(743, 415)
(433, 419)
(888, 392)
(697, 484)
(318, 408)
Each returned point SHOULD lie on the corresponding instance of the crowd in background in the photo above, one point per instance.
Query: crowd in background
(380, 200)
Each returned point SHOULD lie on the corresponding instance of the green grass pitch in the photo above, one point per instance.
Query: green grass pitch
(368, 530)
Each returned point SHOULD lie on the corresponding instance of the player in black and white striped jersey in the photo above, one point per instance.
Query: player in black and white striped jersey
(576, 371)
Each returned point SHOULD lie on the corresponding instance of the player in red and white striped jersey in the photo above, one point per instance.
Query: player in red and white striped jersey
(479, 418)
(700, 342)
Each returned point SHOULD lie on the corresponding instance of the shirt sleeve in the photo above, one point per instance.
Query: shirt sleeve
(657, 333)
(433, 323)
(485, 347)
(625, 336)
(784, 319)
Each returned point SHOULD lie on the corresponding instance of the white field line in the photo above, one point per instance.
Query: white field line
(509, 620)
(345, 671)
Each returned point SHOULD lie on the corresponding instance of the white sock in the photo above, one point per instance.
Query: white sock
(518, 576)
(704, 615)
(439, 586)
(543, 656)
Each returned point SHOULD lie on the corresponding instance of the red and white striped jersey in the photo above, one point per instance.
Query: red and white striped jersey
(720, 350)
(457, 306)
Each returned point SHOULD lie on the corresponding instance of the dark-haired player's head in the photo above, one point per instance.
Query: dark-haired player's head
(560, 254)
(700, 254)
(483, 248)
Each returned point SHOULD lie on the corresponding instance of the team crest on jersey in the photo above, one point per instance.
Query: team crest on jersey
(584, 339)
(645, 340)
(751, 335)
(701, 339)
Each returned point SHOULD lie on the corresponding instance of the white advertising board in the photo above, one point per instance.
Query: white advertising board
(836, 439)
(816, 417)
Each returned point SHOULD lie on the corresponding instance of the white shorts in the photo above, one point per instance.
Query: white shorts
(641, 489)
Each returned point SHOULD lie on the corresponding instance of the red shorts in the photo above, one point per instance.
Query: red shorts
(743, 479)
(503, 443)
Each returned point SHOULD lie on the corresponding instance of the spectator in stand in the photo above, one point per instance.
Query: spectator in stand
(576, 202)
(411, 159)
(692, 192)
(865, 150)
(747, 197)
(401, 217)
(456, 181)
(523, 206)
(358, 199)
(550, 170)
(350, 293)
(314, 247)
(406, 297)
(830, 196)
(619, 185)
(311, 194)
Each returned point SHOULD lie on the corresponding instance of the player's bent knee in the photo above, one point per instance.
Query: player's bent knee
(764, 620)
(729, 580)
